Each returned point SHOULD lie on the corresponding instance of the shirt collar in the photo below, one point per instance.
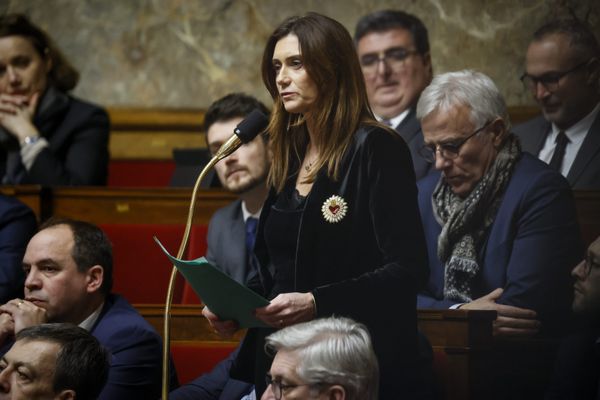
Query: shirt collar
(578, 131)
(89, 322)
(246, 214)
(397, 120)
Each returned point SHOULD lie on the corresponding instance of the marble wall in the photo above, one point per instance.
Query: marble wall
(185, 53)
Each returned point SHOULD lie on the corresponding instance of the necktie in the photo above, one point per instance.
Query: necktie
(559, 151)
(388, 122)
(251, 224)
(258, 278)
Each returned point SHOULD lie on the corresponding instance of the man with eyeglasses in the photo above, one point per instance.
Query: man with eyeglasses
(500, 225)
(577, 374)
(393, 48)
(562, 73)
(328, 358)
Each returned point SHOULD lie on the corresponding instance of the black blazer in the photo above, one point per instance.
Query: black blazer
(77, 133)
(585, 171)
(411, 132)
(370, 265)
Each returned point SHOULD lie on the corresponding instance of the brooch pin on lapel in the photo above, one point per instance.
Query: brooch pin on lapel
(334, 209)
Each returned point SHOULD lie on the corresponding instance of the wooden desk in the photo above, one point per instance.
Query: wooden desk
(588, 214)
(32, 195)
(136, 206)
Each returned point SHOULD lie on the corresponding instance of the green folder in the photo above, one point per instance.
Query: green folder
(224, 296)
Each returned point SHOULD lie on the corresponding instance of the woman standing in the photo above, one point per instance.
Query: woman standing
(341, 231)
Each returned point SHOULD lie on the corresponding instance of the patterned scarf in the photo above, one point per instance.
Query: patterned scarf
(465, 221)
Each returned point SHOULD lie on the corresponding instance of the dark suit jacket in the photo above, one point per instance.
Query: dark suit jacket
(410, 130)
(136, 352)
(585, 171)
(77, 133)
(577, 369)
(529, 250)
(227, 241)
(368, 266)
(17, 226)
(227, 250)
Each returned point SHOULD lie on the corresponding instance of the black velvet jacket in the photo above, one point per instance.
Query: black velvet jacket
(370, 265)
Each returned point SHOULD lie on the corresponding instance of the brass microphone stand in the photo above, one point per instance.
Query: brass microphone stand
(227, 148)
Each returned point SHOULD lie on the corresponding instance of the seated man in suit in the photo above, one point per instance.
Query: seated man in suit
(329, 358)
(500, 225)
(393, 48)
(232, 229)
(68, 269)
(577, 374)
(58, 361)
(562, 73)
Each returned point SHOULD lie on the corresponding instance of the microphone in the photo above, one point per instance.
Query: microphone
(246, 130)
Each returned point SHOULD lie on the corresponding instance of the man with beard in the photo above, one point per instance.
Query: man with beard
(232, 229)
(562, 73)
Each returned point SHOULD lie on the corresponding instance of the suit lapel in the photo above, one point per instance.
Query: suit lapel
(538, 136)
(589, 148)
(235, 246)
(409, 127)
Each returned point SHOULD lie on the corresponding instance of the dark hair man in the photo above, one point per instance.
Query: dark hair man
(393, 48)
(562, 72)
(59, 361)
(232, 229)
(68, 268)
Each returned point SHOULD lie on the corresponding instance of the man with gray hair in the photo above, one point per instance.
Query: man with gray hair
(329, 357)
(500, 225)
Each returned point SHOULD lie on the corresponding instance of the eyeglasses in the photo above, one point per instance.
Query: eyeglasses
(279, 387)
(588, 264)
(549, 81)
(394, 57)
(449, 150)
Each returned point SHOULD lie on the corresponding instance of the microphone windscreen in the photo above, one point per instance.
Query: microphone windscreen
(251, 126)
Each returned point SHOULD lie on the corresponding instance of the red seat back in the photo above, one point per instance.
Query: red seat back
(196, 249)
(193, 359)
(141, 271)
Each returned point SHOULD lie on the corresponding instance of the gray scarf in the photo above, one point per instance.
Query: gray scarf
(465, 221)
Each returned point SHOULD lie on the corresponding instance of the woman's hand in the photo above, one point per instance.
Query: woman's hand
(225, 329)
(16, 115)
(288, 309)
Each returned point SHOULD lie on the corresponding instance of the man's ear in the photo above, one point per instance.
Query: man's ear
(66, 395)
(498, 128)
(336, 392)
(594, 68)
(95, 277)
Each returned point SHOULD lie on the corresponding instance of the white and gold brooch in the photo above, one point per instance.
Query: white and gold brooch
(334, 209)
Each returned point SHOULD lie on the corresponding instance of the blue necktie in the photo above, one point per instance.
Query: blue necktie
(258, 278)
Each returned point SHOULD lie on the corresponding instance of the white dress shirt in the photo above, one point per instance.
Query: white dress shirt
(576, 135)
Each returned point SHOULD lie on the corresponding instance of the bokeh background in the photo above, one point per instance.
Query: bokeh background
(186, 53)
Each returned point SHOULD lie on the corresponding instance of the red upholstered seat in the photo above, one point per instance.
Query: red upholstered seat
(141, 270)
(193, 359)
(140, 173)
(196, 249)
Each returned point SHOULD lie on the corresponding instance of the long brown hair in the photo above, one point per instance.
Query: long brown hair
(62, 74)
(330, 60)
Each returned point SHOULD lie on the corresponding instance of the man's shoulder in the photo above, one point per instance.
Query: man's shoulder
(534, 124)
(121, 322)
(228, 212)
